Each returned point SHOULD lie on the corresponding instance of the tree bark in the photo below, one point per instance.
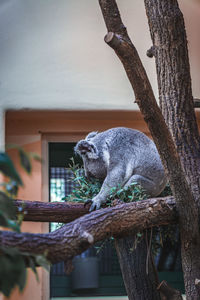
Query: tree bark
(118, 39)
(139, 274)
(175, 93)
(75, 237)
(168, 292)
(61, 212)
(37, 211)
(179, 155)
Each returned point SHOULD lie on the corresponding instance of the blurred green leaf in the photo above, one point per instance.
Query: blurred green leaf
(12, 261)
(25, 161)
(7, 206)
(33, 267)
(5, 222)
(13, 225)
(8, 169)
(35, 156)
(42, 261)
(12, 271)
(12, 187)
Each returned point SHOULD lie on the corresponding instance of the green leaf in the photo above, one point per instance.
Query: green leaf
(42, 261)
(25, 161)
(77, 178)
(13, 225)
(33, 267)
(8, 169)
(139, 234)
(5, 222)
(12, 187)
(7, 206)
(35, 156)
(21, 280)
(12, 271)
(119, 191)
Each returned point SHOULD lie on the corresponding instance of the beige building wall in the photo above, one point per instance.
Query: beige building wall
(33, 130)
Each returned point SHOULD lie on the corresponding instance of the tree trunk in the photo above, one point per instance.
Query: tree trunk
(139, 274)
(170, 50)
(181, 154)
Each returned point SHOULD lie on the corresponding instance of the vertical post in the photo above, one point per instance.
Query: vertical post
(2, 129)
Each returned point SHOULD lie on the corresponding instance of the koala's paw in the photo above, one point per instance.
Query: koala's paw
(95, 204)
(88, 202)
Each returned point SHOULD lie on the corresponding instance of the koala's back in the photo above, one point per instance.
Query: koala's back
(125, 145)
(120, 137)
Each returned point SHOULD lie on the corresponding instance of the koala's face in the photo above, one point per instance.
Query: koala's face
(86, 149)
(94, 165)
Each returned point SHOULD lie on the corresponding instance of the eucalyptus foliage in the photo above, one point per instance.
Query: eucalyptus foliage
(85, 189)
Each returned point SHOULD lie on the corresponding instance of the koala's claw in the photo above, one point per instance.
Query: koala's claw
(94, 205)
(87, 202)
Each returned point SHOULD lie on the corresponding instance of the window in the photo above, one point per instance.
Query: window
(57, 189)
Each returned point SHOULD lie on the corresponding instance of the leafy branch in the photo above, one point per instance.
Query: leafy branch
(85, 189)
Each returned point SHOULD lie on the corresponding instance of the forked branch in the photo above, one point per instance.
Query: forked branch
(119, 40)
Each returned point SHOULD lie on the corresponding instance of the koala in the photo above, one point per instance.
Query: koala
(121, 156)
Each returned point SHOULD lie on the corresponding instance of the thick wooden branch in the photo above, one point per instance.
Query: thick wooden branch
(60, 212)
(37, 211)
(75, 237)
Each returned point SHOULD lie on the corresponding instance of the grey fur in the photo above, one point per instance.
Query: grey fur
(121, 156)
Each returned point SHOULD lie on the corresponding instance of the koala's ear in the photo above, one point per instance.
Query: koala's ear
(86, 148)
(91, 135)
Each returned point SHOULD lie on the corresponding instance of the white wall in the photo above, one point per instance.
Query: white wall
(52, 54)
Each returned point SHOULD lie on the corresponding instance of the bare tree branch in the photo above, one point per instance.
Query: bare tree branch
(37, 211)
(75, 237)
(62, 212)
